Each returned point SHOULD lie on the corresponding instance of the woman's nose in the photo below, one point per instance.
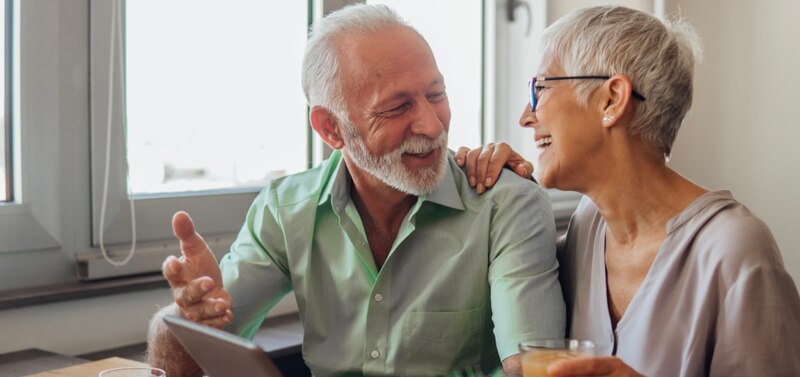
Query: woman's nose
(528, 117)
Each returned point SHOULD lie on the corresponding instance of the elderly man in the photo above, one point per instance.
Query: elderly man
(398, 266)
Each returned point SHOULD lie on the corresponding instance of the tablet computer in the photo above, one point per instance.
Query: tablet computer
(220, 353)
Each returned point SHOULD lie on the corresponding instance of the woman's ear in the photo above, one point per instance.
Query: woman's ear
(618, 91)
(326, 126)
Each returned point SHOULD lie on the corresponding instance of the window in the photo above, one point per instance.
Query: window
(213, 107)
(207, 115)
(209, 112)
(198, 76)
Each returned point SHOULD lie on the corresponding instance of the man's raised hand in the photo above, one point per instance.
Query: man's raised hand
(195, 277)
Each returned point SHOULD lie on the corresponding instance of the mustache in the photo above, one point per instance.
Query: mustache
(423, 144)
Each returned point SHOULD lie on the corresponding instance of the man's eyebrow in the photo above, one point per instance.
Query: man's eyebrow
(437, 81)
(404, 94)
(394, 97)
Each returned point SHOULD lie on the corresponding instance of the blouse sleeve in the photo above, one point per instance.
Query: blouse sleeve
(758, 328)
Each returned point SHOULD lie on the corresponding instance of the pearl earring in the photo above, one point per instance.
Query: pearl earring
(607, 118)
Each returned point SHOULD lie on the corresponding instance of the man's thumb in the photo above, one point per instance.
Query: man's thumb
(182, 226)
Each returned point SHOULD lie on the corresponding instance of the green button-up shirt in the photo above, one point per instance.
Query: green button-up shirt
(468, 277)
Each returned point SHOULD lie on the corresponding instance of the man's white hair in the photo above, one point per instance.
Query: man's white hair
(321, 78)
(657, 56)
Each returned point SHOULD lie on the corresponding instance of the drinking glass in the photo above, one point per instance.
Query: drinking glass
(133, 372)
(536, 355)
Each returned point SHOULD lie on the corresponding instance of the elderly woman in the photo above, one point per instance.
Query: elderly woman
(666, 277)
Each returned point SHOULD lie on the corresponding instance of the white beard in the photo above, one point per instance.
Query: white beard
(389, 167)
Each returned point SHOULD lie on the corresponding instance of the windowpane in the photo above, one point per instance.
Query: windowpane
(454, 30)
(213, 93)
(5, 148)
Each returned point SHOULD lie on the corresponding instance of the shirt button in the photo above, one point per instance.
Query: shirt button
(375, 354)
(378, 297)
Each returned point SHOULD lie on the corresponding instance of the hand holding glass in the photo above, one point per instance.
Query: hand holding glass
(536, 355)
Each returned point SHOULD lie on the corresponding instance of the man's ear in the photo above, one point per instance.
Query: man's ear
(618, 97)
(327, 126)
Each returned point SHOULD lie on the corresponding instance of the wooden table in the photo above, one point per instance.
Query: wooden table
(90, 369)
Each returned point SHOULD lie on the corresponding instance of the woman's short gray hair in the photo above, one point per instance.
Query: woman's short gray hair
(657, 56)
(322, 83)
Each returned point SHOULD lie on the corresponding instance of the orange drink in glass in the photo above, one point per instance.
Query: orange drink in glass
(536, 355)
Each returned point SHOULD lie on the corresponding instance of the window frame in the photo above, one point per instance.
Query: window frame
(8, 25)
(219, 212)
(40, 228)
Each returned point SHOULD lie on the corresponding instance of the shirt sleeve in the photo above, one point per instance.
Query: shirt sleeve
(255, 271)
(758, 329)
(523, 272)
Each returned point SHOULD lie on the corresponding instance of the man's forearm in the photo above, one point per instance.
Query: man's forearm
(165, 352)
(512, 366)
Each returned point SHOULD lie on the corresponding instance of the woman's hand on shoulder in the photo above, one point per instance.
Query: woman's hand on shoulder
(592, 366)
(484, 164)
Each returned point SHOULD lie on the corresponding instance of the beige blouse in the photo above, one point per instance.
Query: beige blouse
(717, 300)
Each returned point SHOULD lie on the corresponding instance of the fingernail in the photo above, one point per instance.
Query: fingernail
(472, 181)
(480, 188)
(458, 161)
(489, 181)
(206, 285)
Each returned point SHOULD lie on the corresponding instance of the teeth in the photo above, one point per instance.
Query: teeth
(545, 141)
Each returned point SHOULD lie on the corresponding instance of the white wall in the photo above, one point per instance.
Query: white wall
(90, 325)
(741, 132)
(81, 326)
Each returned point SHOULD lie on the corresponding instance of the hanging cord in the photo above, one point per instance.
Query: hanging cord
(116, 15)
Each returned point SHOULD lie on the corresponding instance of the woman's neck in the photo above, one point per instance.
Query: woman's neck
(640, 196)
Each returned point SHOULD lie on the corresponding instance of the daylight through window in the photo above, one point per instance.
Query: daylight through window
(213, 93)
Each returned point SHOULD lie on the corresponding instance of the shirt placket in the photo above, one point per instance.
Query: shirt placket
(376, 354)
(378, 357)
(376, 345)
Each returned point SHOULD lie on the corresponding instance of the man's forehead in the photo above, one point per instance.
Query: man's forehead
(382, 46)
(392, 56)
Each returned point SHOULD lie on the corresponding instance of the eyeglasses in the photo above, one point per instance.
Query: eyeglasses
(534, 90)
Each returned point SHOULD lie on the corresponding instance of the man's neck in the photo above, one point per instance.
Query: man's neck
(382, 209)
(383, 204)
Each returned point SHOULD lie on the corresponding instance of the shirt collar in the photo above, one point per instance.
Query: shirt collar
(447, 194)
(337, 188)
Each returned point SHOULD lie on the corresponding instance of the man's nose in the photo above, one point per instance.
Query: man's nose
(427, 122)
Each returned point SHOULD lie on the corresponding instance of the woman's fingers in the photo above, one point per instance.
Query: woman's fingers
(461, 156)
(483, 165)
